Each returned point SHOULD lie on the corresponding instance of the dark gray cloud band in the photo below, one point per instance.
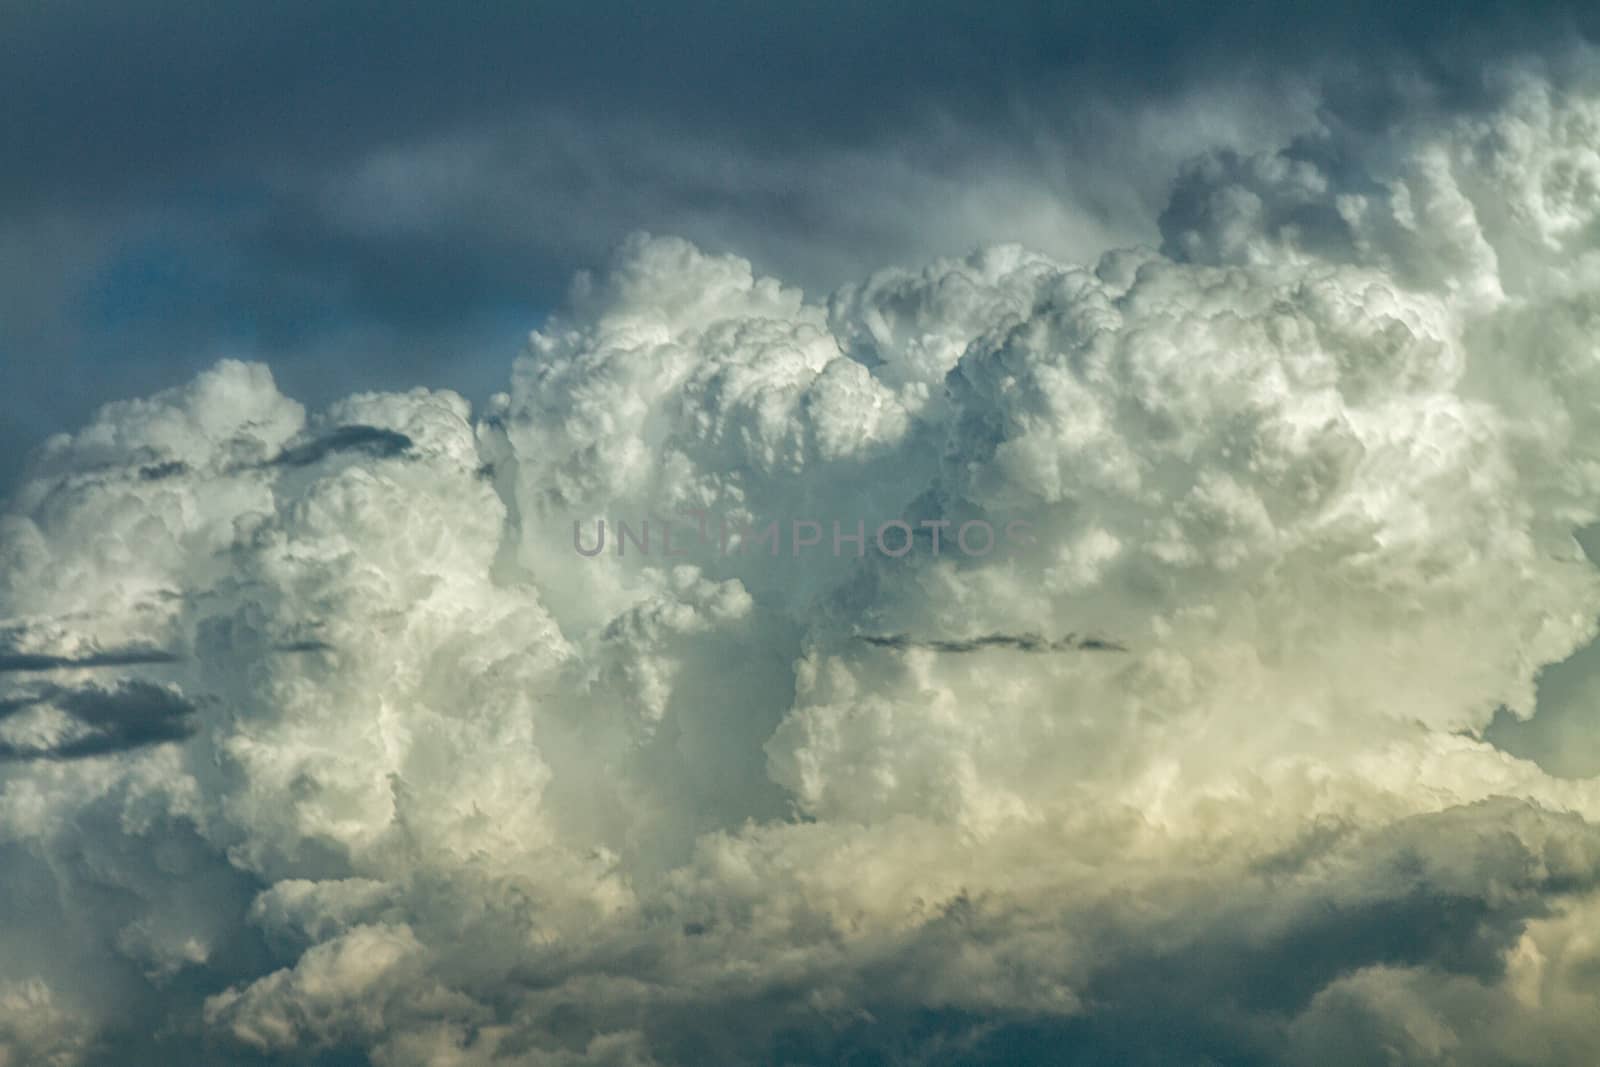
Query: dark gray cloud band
(109, 720)
(1014, 642)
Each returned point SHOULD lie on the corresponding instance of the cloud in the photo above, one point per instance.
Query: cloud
(386, 208)
(427, 785)
(99, 721)
(368, 440)
(34, 661)
(1020, 642)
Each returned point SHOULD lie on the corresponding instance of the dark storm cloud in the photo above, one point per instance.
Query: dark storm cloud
(309, 645)
(1218, 982)
(156, 472)
(1016, 642)
(1449, 891)
(122, 101)
(371, 441)
(125, 716)
(12, 661)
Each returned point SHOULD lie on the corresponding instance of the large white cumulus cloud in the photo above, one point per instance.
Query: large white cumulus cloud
(319, 738)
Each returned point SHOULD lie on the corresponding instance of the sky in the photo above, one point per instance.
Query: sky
(369, 195)
(606, 534)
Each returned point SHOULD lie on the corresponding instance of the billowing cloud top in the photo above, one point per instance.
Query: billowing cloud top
(330, 735)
